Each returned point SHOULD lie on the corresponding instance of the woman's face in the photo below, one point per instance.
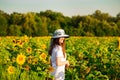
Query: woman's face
(61, 40)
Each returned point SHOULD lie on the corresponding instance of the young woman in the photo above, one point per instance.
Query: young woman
(58, 55)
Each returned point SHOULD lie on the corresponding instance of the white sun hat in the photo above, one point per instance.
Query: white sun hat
(59, 33)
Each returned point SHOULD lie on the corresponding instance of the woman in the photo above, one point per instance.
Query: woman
(58, 55)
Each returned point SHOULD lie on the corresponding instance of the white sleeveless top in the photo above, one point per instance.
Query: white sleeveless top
(59, 71)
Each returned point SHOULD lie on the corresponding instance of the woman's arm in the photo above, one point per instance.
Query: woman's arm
(60, 63)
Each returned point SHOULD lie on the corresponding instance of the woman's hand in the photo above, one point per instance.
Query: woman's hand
(67, 64)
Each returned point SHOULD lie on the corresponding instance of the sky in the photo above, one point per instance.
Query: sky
(66, 7)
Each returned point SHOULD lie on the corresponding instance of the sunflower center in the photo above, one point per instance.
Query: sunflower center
(21, 58)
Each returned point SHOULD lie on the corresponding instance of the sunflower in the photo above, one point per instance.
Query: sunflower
(20, 59)
(25, 38)
(18, 41)
(14, 41)
(11, 69)
(29, 50)
(43, 46)
(88, 70)
(43, 56)
(27, 67)
(30, 58)
(118, 43)
(29, 61)
(20, 44)
(35, 61)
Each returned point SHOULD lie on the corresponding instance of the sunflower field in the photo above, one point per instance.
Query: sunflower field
(91, 58)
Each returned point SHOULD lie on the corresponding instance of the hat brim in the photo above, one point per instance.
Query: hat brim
(65, 36)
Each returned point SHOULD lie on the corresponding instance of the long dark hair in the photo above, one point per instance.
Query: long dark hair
(55, 41)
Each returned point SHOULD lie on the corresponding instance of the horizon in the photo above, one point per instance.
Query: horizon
(66, 7)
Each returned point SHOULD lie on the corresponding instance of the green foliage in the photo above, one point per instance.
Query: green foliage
(91, 58)
(46, 22)
(14, 30)
(3, 26)
(35, 65)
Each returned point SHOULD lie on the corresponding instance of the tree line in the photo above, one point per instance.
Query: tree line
(45, 22)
